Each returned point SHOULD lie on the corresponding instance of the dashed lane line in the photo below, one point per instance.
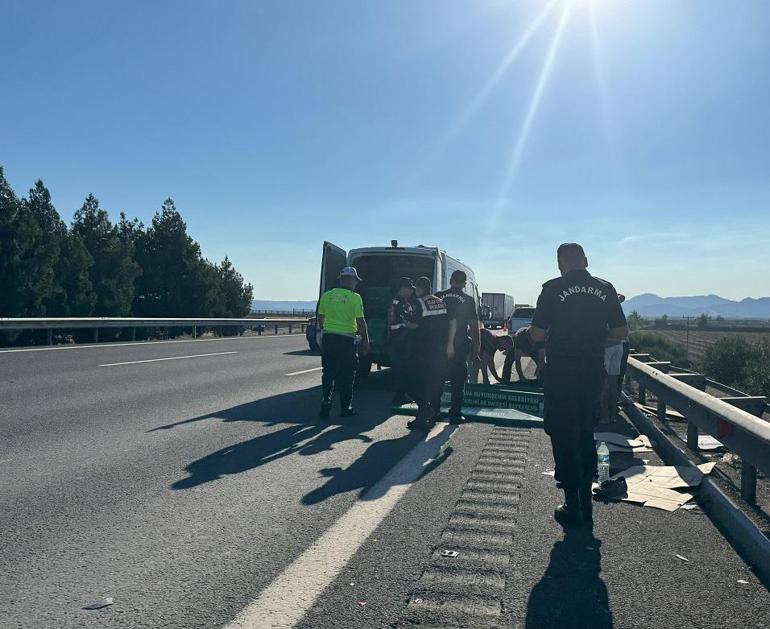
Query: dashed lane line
(158, 360)
(298, 373)
(56, 348)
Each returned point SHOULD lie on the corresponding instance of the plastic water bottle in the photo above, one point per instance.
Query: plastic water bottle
(604, 462)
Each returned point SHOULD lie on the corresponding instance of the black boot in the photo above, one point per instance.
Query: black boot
(569, 512)
(586, 503)
(326, 408)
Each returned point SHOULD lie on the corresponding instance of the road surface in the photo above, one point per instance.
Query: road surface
(192, 483)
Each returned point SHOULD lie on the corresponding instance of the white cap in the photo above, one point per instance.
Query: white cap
(350, 271)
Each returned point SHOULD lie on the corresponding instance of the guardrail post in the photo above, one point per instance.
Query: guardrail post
(662, 411)
(276, 328)
(692, 436)
(49, 337)
(749, 483)
(195, 331)
(642, 393)
(133, 334)
(96, 335)
(290, 328)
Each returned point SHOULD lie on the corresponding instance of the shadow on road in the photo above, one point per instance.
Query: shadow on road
(571, 594)
(302, 352)
(304, 434)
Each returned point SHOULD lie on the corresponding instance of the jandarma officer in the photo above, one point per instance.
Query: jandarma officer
(400, 313)
(576, 314)
(341, 317)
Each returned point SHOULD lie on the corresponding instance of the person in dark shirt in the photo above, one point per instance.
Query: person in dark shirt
(400, 313)
(491, 344)
(576, 314)
(463, 341)
(523, 345)
(429, 356)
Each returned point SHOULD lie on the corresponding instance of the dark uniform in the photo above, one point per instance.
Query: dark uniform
(576, 310)
(400, 312)
(461, 307)
(429, 354)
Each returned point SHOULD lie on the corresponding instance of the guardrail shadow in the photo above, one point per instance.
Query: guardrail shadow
(571, 594)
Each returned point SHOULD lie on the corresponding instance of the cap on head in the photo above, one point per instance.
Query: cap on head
(458, 277)
(571, 257)
(405, 282)
(350, 271)
(423, 283)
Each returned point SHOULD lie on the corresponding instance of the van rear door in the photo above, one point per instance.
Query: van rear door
(334, 258)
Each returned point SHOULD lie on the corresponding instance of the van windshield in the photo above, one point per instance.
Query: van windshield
(380, 274)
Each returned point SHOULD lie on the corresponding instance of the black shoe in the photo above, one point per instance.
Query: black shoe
(586, 503)
(326, 408)
(569, 512)
(458, 419)
(420, 423)
(400, 399)
(348, 412)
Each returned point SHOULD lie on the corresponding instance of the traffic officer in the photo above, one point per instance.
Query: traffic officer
(400, 313)
(341, 318)
(463, 341)
(431, 329)
(575, 315)
(523, 346)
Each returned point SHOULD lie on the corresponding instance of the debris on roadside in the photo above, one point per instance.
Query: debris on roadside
(683, 558)
(620, 443)
(655, 485)
(743, 581)
(103, 602)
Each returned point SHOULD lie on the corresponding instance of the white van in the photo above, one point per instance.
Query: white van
(380, 268)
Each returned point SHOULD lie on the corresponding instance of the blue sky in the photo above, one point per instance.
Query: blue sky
(640, 128)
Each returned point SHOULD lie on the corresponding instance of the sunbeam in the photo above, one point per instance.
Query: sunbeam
(486, 89)
(493, 80)
(601, 83)
(534, 103)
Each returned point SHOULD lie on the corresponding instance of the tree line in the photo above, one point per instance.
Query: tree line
(94, 267)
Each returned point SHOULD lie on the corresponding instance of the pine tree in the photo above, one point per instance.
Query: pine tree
(176, 280)
(235, 296)
(114, 270)
(44, 290)
(19, 234)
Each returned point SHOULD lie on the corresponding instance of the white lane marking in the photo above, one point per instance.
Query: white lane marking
(285, 601)
(157, 360)
(297, 373)
(132, 343)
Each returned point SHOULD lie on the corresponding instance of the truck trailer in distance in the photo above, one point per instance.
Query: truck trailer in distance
(499, 309)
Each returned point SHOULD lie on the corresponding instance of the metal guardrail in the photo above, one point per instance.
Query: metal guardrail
(96, 323)
(740, 431)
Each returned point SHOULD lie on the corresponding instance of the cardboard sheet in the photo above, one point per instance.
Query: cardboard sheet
(620, 443)
(654, 485)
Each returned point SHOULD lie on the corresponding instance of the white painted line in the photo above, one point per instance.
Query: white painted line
(297, 373)
(285, 601)
(132, 343)
(157, 360)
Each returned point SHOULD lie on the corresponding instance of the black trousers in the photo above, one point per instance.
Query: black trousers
(572, 392)
(401, 354)
(430, 374)
(457, 371)
(338, 359)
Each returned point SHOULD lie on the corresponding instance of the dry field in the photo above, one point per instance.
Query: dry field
(699, 340)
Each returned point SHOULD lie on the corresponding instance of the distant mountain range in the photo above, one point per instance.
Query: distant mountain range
(649, 305)
(281, 306)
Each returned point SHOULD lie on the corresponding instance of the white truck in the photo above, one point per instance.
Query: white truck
(380, 268)
(499, 307)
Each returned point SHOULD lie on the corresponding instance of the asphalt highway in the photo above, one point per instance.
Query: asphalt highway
(193, 484)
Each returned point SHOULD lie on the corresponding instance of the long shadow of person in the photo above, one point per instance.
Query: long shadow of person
(571, 594)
